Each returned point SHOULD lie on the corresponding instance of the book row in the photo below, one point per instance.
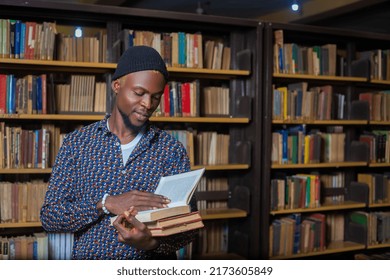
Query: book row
(212, 185)
(29, 147)
(188, 99)
(294, 145)
(48, 94)
(329, 60)
(179, 49)
(204, 148)
(298, 102)
(377, 143)
(27, 40)
(292, 58)
(45, 41)
(39, 246)
(21, 202)
(300, 234)
(300, 191)
(37, 94)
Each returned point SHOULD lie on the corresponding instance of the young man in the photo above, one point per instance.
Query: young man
(113, 166)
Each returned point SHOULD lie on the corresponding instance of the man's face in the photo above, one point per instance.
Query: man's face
(138, 96)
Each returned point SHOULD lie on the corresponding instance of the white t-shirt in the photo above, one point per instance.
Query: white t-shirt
(128, 148)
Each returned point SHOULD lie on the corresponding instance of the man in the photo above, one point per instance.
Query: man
(113, 166)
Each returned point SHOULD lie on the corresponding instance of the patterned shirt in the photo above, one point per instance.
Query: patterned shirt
(88, 165)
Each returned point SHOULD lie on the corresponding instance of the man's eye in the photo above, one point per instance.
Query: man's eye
(138, 93)
(156, 97)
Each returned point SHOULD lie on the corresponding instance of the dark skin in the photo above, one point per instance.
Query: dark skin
(137, 97)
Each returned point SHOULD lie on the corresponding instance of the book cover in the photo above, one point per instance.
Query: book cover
(174, 221)
(176, 229)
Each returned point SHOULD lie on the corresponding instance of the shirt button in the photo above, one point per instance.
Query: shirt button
(123, 172)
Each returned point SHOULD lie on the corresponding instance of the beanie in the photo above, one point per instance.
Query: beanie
(140, 58)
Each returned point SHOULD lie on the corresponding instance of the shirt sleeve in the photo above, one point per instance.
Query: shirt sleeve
(63, 210)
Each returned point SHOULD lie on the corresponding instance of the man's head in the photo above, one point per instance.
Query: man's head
(140, 58)
(138, 84)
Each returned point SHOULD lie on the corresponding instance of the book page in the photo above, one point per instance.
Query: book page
(179, 188)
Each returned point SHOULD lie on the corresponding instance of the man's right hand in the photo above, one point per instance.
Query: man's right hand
(118, 204)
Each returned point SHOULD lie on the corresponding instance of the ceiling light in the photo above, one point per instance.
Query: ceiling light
(78, 32)
(295, 6)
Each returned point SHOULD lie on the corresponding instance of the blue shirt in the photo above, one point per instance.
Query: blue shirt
(88, 165)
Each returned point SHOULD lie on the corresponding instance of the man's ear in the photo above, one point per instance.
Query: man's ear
(115, 85)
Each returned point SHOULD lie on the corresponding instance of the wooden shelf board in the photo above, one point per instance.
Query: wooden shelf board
(48, 170)
(218, 256)
(319, 165)
(383, 82)
(320, 77)
(20, 225)
(222, 167)
(379, 246)
(377, 205)
(377, 164)
(25, 171)
(200, 119)
(222, 213)
(97, 117)
(56, 63)
(112, 66)
(327, 207)
(333, 247)
(322, 122)
(379, 122)
(209, 71)
(61, 117)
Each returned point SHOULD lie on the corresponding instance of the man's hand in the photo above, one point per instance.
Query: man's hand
(133, 232)
(118, 204)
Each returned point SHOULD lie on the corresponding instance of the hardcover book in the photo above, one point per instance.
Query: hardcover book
(175, 224)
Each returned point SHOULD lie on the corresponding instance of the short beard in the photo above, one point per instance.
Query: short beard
(128, 123)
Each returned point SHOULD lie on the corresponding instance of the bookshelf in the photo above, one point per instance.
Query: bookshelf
(242, 124)
(280, 166)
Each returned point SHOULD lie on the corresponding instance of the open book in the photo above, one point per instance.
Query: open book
(179, 189)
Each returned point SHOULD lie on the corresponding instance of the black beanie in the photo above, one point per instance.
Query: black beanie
(140, 58)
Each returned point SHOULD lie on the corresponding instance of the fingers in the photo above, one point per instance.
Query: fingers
(133, 232)
(139, 199)
(146, 200)
(132, 220)
(151, 197)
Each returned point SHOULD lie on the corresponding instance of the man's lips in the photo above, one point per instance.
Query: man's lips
(142, 115)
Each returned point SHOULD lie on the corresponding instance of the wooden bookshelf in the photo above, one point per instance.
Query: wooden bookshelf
(239, 34)
(279, 73)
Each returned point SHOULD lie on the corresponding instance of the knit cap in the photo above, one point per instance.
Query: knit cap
(140, 58)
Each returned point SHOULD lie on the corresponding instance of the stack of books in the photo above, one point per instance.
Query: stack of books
(177, 217)
(175, 224)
